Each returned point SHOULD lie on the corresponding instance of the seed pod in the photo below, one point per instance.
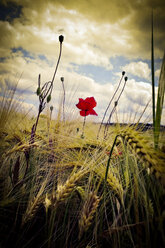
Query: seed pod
(51, 108)
(123, 73)
(48, 98)
(116, 102)
(61, 38)
(38, 92)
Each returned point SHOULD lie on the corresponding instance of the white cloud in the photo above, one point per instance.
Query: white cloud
(139, 69)
(157, 73)
(86, 41)
(132, 102)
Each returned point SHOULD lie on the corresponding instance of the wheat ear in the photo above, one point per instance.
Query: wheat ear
(153, 159)
(112, 180)
(63, 191)
(88, 211)
(32, 209)
(34, 204)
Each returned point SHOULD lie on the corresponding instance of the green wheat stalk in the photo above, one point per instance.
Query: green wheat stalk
(160, 100)
(161, 91)
(153, 74)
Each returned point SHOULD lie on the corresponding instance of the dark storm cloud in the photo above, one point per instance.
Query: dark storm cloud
(9, 11)
(132, 16)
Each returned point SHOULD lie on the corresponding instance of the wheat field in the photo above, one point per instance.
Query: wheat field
(65, 190)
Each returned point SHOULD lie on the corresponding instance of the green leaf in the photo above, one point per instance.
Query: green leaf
(160, 100)
(153, 73)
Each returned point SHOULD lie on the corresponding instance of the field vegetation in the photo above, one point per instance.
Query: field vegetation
(77, 184)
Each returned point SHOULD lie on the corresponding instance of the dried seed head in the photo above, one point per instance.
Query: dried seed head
(62, 79)
(126, 78)
(51, 108)
(61, 38)
(123, 73)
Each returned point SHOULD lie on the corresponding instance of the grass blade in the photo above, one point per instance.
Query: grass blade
(160, 100)
(153, 74)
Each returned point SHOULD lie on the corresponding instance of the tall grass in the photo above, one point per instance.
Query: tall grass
(160, 101)
(153, 72)
(161, 90)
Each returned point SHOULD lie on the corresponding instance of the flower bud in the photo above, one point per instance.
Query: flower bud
(61, 38)
(62, 79)
(38, 92)
(126, 78)
(48, 98)
(123, 73)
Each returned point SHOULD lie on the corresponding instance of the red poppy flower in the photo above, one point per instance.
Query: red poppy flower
(87, 106)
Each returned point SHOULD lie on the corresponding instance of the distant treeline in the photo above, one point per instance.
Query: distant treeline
(141, 126)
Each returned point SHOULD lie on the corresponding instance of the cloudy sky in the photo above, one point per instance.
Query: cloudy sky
(101, 39)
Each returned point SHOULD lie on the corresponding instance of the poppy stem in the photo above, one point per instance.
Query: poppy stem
(83, 125)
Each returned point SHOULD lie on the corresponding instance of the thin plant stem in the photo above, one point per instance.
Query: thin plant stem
(57, 65)
(109, 105)
(153, 73)
(142, 113)
(109, 159)
(62, 80)
(49, 119)
(45, 91)
(160, 100)
(113, 110)
(83, 125)
(50, 115)
(34, 129)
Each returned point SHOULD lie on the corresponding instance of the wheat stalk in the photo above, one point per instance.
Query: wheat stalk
(153, 159)
(88, 211)
(160, 101)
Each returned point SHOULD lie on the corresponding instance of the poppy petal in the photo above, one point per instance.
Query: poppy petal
(84, 113)
(84, 105)
(92, 112)
(80, 105)
(91, 101)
